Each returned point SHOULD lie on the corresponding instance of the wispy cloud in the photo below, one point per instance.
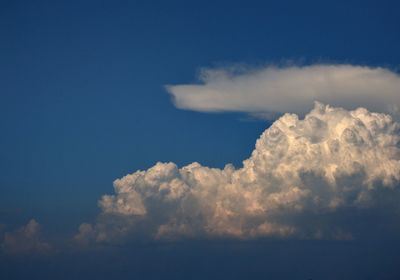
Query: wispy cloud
(266, 91)
(25, 240)
(317, 177)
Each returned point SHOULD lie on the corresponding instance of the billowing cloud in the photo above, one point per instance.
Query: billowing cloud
(334, 174)
(25, 240)
(273, 90)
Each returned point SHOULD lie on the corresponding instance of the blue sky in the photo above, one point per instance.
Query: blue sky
(82, 92)
(83, 98)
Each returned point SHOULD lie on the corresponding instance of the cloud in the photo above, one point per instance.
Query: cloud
(334, 174)
(25, 240)
(272, 90)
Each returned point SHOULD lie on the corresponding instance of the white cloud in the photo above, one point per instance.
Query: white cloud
(25, 240)
(316, 177)
(292, 89)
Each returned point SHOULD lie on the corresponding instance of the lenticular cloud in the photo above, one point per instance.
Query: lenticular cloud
(334, 174)
(271, 91)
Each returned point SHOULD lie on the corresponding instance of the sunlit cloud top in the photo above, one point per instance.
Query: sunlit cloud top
(306, 178)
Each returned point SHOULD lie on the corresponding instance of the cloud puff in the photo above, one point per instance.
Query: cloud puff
(25, 240)
(317, 177)
(265, 92)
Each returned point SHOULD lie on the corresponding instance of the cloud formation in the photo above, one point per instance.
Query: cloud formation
(306, 178)
(273, 90)
(25, 240)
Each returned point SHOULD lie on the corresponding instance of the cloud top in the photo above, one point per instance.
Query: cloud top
(315, 177)
(272, 90)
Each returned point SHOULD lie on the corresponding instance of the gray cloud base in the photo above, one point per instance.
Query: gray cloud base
(328, 175)
(267, 91)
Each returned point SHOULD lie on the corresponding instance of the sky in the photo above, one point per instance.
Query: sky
(92, 91)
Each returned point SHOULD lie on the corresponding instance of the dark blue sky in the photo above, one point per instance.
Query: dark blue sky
(82, 98)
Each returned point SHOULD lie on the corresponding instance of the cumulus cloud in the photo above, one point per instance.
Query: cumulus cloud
(25, 240)
(272, 90)
(317, 177)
